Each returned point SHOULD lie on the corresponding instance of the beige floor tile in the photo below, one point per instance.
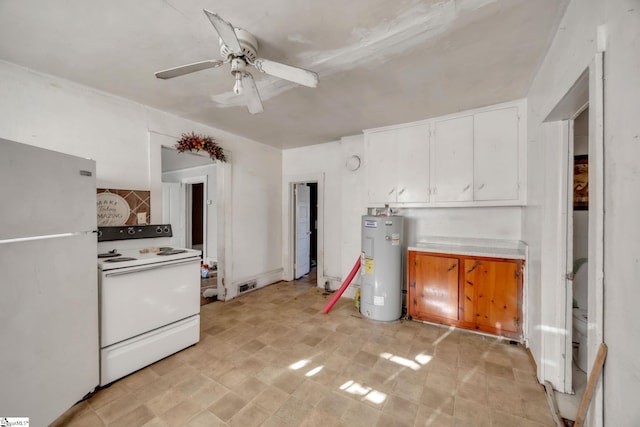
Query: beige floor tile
(205, 419)
(84, 419)
(166, 400)
(310, 392)
(360, 415)
(135, 418)
(504, 419)
(352, 371)
(208, 394)
(400, 409)
(469, 410)
(251, 415)
(181, 413)
(115, 409)
(294, 411)
(427, 416)
(436, 399)
(227, 406)
(271, 399)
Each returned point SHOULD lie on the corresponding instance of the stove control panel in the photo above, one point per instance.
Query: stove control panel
(127, 232)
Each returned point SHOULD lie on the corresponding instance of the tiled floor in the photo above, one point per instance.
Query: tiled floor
(272, 358)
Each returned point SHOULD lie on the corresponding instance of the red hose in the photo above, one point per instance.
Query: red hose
(334, 299)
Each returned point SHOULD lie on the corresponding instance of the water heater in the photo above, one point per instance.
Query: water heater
(381, 269)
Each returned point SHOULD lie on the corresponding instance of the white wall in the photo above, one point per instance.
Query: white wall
(570, 54)
(321, 160)
(49, 112)
(346, 202)
(622, 203)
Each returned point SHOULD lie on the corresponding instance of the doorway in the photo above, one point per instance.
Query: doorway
(305, 201)
(584, 97)
(195, 211)
(315, 185)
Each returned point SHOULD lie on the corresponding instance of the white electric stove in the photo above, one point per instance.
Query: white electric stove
(149, 298)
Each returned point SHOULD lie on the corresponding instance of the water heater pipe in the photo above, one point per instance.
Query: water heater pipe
(334, 299)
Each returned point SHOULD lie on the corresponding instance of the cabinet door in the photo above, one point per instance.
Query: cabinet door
(451, 169)
(413, 164)
(495, 169)
(491, 295)
(434, 287)
(381, 158)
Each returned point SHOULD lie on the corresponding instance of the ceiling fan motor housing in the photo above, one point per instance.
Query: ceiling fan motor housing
(248, 43)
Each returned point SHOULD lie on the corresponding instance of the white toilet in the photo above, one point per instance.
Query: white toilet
(580, 337)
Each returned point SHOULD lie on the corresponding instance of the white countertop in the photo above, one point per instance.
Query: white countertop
(493, 248)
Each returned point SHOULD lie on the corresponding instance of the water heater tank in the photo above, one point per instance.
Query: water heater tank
(381, 269)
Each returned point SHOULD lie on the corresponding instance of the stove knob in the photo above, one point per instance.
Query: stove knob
(158, 229)
(99, 233)
(131, 231)
(166, 229)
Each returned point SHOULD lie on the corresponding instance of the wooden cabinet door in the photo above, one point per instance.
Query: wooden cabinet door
(433, 287)
(381, 166)
(492, 295)
(496, 155)
(451, 166)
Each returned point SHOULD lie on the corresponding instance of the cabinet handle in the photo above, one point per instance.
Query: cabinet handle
(400, 192)
(391, 192)
(475, 265)
(480, 187)
(466, 188)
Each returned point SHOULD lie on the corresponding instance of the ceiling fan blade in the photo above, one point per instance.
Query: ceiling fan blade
(225, 31)
(189, 68)
(251, 95)
(287, 72)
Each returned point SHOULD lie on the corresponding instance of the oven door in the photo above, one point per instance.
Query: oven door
(135, 300)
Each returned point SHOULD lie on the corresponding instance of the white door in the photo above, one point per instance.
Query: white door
(173, 212)
(302, 196)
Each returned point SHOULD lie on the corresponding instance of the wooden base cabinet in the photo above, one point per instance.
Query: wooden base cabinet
(478, 293)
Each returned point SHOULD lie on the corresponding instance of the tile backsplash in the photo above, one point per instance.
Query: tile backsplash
(123, 207)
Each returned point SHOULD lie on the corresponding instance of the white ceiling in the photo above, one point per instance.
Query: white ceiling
(380, 62)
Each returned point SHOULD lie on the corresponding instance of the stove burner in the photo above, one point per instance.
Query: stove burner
(170, 251)
(121, 259)
(110, 254)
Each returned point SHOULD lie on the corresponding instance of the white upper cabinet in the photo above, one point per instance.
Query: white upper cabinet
(413, 164)
(495, 148)
(452, 160)
(398, 165)
(474, 158)
(381, 164)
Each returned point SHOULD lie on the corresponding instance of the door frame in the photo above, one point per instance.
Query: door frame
(224, 241)
(592, 80)
(188, 182)
(296, 240)
(288, 223)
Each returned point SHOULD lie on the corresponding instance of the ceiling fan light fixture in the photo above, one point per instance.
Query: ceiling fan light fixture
(237, 87)
(240, 48)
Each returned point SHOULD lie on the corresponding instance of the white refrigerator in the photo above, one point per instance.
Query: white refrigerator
(48, 282)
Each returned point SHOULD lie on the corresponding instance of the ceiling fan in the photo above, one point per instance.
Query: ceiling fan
(240, 48)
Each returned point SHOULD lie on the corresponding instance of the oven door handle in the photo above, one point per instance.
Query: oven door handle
(156, 266)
